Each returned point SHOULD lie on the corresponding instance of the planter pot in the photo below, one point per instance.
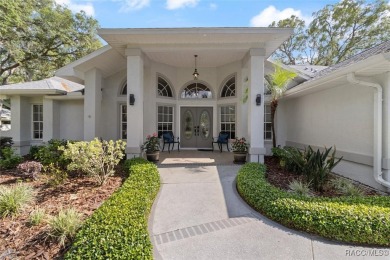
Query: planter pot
(240, 157)
(153, 156)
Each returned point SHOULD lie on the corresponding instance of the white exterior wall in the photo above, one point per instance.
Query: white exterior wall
(341, 116)
(71, 118)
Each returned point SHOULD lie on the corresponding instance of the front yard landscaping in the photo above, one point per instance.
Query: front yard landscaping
(74, 200)
(362, 218)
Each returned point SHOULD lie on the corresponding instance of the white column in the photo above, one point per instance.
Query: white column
(51, 120)
(92, 104)
(256, 113)
(135, 113)
(21, 124)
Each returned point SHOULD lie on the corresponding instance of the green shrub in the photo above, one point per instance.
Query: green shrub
(9, 159)
(5, 142)
(96, 158)
(50, 154)
(363, 220)
(14, 198)
(65, 225)
(299, 188)
(118, 229)
(36, 216)
(290, 158)
(56, 176)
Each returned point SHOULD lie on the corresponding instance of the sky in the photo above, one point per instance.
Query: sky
(193, 13)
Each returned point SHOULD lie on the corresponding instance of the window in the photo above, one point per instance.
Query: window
(123, 121)
(196, 90)
(37, 121)
(229, 88)
(163, 88)
(124, 90)
(228, 120)
(164, 119)
(267, 122)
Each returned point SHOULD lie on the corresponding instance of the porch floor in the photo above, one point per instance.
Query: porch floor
(193, 157)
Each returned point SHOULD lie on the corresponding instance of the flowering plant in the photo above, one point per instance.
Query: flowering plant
(240, 145)
(152, 143)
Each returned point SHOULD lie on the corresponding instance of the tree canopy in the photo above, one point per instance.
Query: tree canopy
(39, 36)
(336, 32)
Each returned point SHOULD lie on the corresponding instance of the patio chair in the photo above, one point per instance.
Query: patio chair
(169, 138)
(223, 138)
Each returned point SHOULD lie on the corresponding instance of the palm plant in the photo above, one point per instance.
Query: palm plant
(276, 83)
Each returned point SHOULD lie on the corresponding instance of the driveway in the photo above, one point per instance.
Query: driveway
(199, 215)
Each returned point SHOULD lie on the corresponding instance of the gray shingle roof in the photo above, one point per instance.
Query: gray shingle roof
(378, 49)
(55, 83)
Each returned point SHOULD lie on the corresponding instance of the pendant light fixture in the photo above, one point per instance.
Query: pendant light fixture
(195, 74)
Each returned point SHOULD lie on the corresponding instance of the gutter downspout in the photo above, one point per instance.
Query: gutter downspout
(378, 174)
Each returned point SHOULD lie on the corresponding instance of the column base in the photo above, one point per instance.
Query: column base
(256, 154)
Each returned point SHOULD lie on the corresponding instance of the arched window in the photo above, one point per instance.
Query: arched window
(163, 88)
(196, 90)
(229, 88)
(124, 90)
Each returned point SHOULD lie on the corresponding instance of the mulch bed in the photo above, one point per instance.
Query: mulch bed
(281, 178)
(21, 241)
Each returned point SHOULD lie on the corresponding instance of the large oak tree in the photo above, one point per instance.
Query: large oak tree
(39, 36)
(336, 32)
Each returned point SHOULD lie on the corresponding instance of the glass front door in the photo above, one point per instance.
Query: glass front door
(196, 127)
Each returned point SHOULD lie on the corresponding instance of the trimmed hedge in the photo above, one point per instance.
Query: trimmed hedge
(364, 220)
(119, 228)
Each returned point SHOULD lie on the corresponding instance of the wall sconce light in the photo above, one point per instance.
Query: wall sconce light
(131, 99)
(258, 99)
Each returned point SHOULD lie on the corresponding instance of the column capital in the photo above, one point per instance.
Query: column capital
(257, 52)
(133, 52)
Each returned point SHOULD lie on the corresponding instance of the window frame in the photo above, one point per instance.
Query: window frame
(228, 78)
(121, 121)
(169, 84)
(40, 122)
(165, 122)
(227, 122)
(267, 122)
(199, 82)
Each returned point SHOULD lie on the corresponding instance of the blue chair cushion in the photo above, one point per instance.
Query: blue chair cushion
(168, 138)
(223, 138)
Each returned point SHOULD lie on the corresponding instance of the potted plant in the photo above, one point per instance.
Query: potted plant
(240, 150)
(152, 148)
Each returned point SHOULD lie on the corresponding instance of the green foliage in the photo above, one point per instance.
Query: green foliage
(38, 37)
(50, 154)
(363, 220)
(277, 81)
(56, 176)
(5, 142)
(14, 198)
(37, 216)
(152, 143)
(118, 229)
(65, 225)
(96, 158)
(315, 165)
(240, 145)
(299, 188)
(334, 33)
(9, 159)
(346, 187)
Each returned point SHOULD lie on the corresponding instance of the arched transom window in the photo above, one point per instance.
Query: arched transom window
(124, 89)
(163, 88)
(196, 90)
(229, 88)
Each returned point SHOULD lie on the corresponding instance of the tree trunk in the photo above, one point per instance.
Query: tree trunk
(274, 105)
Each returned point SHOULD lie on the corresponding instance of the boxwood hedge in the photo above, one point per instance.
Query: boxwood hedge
(363, 220)
(118, 228)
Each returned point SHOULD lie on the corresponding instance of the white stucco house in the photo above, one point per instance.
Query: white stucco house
(142, 82)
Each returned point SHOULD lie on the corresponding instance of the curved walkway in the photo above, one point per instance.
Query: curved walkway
(199, 215)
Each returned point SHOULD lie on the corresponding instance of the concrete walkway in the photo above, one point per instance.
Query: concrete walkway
(199, 215)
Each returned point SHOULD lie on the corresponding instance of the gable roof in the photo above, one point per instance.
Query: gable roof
(53, 85)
